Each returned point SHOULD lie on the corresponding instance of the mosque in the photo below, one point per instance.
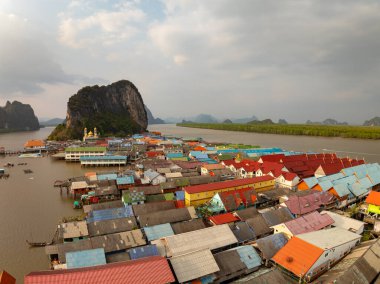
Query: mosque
(90, 135)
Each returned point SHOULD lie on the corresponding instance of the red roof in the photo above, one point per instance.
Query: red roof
(330, 169)
(147, 270)
(298, 256)
(272, 158)
(226, 184)
(232, 199)
(289, 176)
(6, 278)
(373, 198)
(300, 205)
(223, 219)
(311, 222)
(154, 153)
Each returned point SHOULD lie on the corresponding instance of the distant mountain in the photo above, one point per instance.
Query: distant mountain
(373, 122)
(52, 122)
(265, 121)
(151, 119)
(227, 121)
(244, 120)
(328, 121)
(282, 121)
(17, 116)
(205, 118)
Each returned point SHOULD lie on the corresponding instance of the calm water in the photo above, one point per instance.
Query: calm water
(30, 207)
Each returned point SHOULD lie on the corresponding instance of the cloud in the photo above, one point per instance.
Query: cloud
(105, 27)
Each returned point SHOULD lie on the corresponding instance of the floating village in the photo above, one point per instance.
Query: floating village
(184, 210)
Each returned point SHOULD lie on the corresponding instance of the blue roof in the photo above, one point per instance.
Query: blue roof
(174, 155)
(103, 158)
(107, 177)
(125, 180)
(326, 185)
(180, 195)
(249, 256)
(85, 258)
(346, 180)
(357, 189)
(342, 189)
(331, 177)
(137, 136)
(110, 214)
(198, 155)
(144, 251)
(207, 160)
(375, 178)
(158, 231)
(311, 181)
(366, 183)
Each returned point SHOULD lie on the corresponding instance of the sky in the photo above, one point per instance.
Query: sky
(296, 60)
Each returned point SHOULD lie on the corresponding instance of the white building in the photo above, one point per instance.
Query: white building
(346, 223)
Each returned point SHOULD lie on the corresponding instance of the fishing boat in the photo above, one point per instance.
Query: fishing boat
(30, 155)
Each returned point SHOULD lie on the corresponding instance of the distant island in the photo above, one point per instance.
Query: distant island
(115, 110)
(17, 116)
(151, 118)
(267, 126)
(52, 122)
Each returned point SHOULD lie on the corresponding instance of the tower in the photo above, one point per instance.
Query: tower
(95, 133)
(85, 134)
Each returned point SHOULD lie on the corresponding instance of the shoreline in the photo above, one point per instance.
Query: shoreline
(327, 131)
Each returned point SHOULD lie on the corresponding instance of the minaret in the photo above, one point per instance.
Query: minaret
(95, 133)
(85, 134)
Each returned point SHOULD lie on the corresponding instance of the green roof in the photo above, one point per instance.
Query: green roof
(86, 149)
(185, 159)
(169, 196)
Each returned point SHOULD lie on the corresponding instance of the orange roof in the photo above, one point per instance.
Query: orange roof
(200, 148)
(89, 174)
(373, 198)
(298, 256)
(213, 166)
(34, 143)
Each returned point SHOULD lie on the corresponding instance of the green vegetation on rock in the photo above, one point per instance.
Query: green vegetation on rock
(345, 131)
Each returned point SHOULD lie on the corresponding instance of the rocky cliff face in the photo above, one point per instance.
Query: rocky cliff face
(116, 109)
(18, 116)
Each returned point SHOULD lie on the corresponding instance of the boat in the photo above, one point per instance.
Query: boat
(30, 155)
(36, 244)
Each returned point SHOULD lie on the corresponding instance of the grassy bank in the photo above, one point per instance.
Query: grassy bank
(345, 131)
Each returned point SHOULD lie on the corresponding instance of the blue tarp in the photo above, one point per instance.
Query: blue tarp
(107, 177)
(180, 195)
(249, 256)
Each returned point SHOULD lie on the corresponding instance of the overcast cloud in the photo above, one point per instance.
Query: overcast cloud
(296, 60)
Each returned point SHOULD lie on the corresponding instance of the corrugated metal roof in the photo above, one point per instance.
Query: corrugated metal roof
(226, 184)
(345, 222)
(188, 226)
(167, 216)
(247, 213)
(258, 225)
(150, 270)
(73, 229)
(111, 226)
(208, 238)
(158, 231)
(194, 265)
(278, 216)
(325, 185)
(110, 214)
(249, 256)
(270, 245)
(242, 231)
(223, 219)
(373, 198)
(103, 158)
(107, 177)
(125, 180)
(329, 238)
(102, 206)
(85, 258)
(144, 251)
(297, 256)
(357, 189)
(310, 182)
(86, 149)
(309, 223)
(146, 208)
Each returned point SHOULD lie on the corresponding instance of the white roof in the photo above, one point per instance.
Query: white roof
(329, 238)
(78, 185)
(194, 265)
(208, 238)
(344, 222)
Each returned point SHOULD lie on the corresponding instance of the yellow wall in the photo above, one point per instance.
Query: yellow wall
(373, 209)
